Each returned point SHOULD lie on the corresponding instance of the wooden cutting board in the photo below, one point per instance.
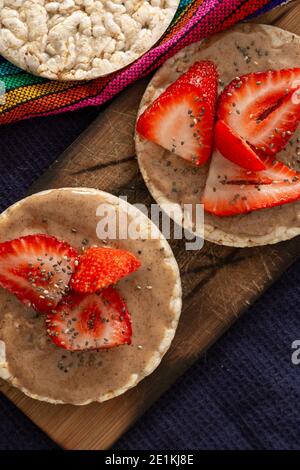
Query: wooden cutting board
(219, 283)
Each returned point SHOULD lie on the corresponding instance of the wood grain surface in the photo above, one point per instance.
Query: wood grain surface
(219, 283)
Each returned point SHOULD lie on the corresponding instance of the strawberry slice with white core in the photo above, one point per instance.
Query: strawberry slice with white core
(37, 269)
(262, 107)
(182, 118)
(231, 190)
(235, 149)
(90, 321)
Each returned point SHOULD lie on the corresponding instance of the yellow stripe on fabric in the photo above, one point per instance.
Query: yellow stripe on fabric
(27, 93)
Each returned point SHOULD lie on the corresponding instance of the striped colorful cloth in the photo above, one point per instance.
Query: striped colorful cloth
(29, 96)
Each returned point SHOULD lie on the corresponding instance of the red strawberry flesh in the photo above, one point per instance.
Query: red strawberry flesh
(273, 133)
(261, 109)
(234, 148)
(181, 119)
(90, 321)
(37, 269)
(100, 267)
(231, 190)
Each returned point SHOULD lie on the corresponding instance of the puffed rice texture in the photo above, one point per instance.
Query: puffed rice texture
(80, 39)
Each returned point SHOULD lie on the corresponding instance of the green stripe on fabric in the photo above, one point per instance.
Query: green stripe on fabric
(20, 80)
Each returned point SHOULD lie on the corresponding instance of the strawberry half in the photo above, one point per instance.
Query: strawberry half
(235, 149)
(37, 269)
(92, 321)
(263, 107)
(100, 267)
(231, 190)
(182, 118)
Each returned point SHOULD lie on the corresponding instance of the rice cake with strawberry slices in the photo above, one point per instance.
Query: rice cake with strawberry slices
(171, 180)
(30, 361)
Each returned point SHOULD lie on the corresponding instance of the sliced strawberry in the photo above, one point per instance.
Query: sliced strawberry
(234, 148)
(273, 133)
(231, 190)
(90, 321)
(100, 267)
(37, 269)
(261, 107)
(182, 118)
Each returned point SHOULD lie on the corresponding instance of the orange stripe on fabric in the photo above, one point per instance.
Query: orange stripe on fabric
(54, 101)
(24, 96)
